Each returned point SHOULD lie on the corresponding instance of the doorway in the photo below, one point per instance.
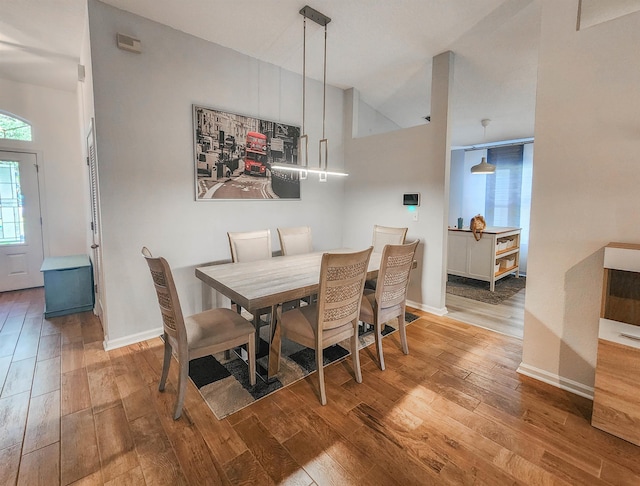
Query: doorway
(21, 247)
(504, 198)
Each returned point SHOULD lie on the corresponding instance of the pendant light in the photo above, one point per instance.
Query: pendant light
(303, 142)
(483, 167)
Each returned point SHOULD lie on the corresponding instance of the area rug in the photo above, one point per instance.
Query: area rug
(224, 384)
(478, 290)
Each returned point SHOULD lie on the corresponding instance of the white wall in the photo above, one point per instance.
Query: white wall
(467, 190)
(585, 186)
(456, 187)
(370, 121)
(143, 106)
(383, 167)
(54, 117)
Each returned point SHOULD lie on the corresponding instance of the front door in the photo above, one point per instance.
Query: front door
(21, 252)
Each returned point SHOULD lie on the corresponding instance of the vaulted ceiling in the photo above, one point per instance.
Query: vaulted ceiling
(381, 48)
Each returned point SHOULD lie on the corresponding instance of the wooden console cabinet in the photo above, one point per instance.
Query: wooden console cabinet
(616, 407)
(494, 256)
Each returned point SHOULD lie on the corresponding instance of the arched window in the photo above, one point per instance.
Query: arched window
(14, 128)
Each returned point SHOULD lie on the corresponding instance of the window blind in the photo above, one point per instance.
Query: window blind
(504, 191)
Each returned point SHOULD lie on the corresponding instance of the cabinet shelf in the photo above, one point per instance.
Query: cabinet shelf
(504, 271)
(507, 252)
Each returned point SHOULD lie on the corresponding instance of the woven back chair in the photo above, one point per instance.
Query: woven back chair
(195, 336)
(334, 317)
(389, 299)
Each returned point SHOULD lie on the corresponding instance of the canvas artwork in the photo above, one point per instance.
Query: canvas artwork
(234, 155)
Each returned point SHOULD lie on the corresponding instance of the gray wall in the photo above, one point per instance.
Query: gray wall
(383, 167)
(143, 108)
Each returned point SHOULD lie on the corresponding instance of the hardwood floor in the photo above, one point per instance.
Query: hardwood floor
(454, 411)
(505, 318)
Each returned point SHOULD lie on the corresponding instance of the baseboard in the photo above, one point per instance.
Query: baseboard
(556, 380)
(110, 344)
(431, 310)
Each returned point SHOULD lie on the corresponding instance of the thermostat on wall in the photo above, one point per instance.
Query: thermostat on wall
(412, 199)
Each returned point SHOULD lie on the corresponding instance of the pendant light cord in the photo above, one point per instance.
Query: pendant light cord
(304, 68)
(324, 81)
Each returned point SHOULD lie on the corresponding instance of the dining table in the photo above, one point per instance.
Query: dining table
(270, 283)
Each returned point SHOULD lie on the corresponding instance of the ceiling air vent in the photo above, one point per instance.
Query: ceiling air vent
(128, 43)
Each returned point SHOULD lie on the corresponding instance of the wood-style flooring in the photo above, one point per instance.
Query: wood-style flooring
(505, 318)
(453, 411)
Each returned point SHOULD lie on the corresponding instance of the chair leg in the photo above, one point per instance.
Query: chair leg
(403, 333)
(182, 386)
(320, 366)
(355, 353)
(377, 330)
(165, 363)
(251, 351)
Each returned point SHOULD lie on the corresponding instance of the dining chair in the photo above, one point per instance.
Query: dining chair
(195, 336)
(390, 296)
(251, 246)
(385, 235)
(334, 316)
(295, 241)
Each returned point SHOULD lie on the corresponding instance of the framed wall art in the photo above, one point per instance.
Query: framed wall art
(234, 155)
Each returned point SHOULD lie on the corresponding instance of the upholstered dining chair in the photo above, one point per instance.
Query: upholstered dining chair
(295, 241)
(334, 317)
(195, 336)
(251, 246)
(385, 235)
(390, 296)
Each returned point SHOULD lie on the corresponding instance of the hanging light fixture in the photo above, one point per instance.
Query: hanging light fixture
(483, 167)
(303, 142)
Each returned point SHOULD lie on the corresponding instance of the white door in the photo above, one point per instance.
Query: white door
(21, 251)
(95, 218)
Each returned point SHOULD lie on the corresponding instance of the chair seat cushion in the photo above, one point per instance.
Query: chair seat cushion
(384, 315)
(297, 324)
(366, 306)
(215, 326)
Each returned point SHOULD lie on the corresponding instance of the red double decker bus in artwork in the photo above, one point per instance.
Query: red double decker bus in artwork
(255, 157)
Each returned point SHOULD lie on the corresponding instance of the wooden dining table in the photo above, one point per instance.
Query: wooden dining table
(269, 284)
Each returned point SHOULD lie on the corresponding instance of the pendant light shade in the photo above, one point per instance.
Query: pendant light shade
(483, 167)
